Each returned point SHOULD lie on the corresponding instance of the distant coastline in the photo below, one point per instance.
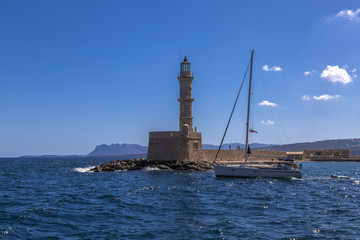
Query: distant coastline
(353, 144)
(139, 155)
(139, 151)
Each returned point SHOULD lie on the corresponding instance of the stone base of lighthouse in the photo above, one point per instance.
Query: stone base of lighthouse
(175, 146)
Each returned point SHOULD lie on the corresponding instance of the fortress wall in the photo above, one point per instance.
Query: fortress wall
(224, 155)
(327, 153)
(238, 155)
(295, 155)
(314, 155)
(269, 153)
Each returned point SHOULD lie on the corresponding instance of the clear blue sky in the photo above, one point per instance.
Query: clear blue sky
(75, 74)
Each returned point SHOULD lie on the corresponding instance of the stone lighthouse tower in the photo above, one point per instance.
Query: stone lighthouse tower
(185, 80)
(185, 144)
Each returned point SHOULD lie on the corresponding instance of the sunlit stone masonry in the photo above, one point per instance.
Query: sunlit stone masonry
(185, 144)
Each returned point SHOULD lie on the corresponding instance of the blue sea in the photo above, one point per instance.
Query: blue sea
(55, 198)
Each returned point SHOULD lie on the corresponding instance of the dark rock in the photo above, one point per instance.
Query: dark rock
(140, 163)
(163, 167)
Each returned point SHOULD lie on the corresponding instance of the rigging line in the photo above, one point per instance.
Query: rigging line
(282, 126)
(277, 115)
(227, 126)
(253, 112)
(268, 95)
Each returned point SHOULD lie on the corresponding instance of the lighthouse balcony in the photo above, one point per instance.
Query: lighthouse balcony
(185, 99)
(173, 134)
(186, 74)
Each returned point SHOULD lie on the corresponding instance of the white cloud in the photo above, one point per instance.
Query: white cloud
(268, 122)
(307, 73)
(325, 97)
(267, 103)
(276, 69)
(351, 15)
(335, 74)
(354, 70)
(272, 69)
(305, 98)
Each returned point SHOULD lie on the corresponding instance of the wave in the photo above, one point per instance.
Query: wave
(150, 168)
(84, 169)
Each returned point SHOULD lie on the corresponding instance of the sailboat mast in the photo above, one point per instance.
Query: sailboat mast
(248, 110)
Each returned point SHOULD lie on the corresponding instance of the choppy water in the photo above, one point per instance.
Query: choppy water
(56, 199)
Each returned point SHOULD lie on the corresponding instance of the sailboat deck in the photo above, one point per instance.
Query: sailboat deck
(252, 162)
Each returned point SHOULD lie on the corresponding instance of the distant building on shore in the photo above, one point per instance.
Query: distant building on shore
(317, 155)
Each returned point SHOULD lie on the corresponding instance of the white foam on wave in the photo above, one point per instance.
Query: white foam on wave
(84, 169)
(150, 168)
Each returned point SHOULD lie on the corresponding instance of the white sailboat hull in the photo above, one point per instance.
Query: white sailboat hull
(248, 172)
(282, 170)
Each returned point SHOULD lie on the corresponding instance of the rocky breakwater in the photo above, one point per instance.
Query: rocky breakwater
(140, 163)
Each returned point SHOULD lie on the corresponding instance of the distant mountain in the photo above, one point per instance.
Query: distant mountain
(121, 149)
(53, 156)
(118, 149)
(353, 144)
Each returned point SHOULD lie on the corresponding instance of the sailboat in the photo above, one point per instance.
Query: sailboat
(282, 169)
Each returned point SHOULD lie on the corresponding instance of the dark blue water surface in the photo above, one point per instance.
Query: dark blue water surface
(54, 199)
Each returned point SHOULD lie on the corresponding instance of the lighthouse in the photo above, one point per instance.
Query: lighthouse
(186, 143)
(185, 81)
